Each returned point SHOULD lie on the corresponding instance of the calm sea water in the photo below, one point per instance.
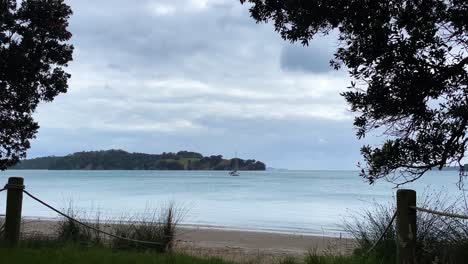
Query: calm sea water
(313, 202)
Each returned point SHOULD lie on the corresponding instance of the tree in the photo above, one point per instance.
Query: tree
(33, 53)
(408, 61)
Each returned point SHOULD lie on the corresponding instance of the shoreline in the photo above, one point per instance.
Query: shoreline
(237, 245)
(342, 234)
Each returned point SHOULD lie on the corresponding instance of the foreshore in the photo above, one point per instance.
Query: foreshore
(232, 244)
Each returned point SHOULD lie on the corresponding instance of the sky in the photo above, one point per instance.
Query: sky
(199, 75)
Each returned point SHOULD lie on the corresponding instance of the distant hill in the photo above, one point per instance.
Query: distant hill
(122, 160)
(276, 169)
(455, 168)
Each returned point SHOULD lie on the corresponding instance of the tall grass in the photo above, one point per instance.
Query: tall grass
(439, 239)
(367, 227)
(158, 226)
(70, 231)
(2, 226)
(72, 254)
(314, 258)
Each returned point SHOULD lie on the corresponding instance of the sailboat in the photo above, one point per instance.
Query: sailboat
(234, 172)
(463, 170)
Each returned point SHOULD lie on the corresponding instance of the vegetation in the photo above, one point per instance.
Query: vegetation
(122, 160)
(409, 64)
(155, 226)
(50, 252)
(33, 53)
(69, 231)
(74, 254)
(439, 239)
(456, 168)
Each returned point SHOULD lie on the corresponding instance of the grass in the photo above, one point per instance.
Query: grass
(2, 222)
(70, 231)
(328, 258)
(354, 259)
(439, 239)
(155, 226)
(72, 254)
(47, 253)
(50, 252)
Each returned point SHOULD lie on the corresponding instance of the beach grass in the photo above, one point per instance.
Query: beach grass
(72, 254)
(78, 254)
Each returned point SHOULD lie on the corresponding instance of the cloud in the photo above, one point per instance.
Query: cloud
(313, 58)
(159, 9)
(198, 75)
(291, 144)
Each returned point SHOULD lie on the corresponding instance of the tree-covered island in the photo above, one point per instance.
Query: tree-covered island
(123, 160)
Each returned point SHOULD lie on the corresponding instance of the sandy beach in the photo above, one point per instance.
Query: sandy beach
(230, 244)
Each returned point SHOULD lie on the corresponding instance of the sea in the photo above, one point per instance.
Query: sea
(315, 202)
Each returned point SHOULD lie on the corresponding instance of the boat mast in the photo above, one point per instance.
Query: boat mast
(236, 163)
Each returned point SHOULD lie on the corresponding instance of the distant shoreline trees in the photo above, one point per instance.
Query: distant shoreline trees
(122, 160)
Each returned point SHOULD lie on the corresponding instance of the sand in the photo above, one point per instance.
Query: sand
(233, 244)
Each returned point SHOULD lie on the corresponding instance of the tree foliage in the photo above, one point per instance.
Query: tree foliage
(122, 160)
(409, 65)
(33, 53)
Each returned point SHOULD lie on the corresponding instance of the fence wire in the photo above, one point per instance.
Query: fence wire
(383, 233)
(439, 213)
(446, 214)
(2, 228)
(88, 226)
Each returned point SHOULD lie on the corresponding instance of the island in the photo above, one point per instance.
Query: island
(116, 159)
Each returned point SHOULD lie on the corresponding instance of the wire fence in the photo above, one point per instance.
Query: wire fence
(425, 210)
(446, 214)
(2, 228)
(381, 237)
(89, 226)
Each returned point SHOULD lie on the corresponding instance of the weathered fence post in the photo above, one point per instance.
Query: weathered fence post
(14, 202)
(406, 227)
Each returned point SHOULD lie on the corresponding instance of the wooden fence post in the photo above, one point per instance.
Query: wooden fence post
(406, 227)
(14, 203)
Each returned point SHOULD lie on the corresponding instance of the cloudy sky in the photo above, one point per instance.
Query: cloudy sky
(200, 75)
